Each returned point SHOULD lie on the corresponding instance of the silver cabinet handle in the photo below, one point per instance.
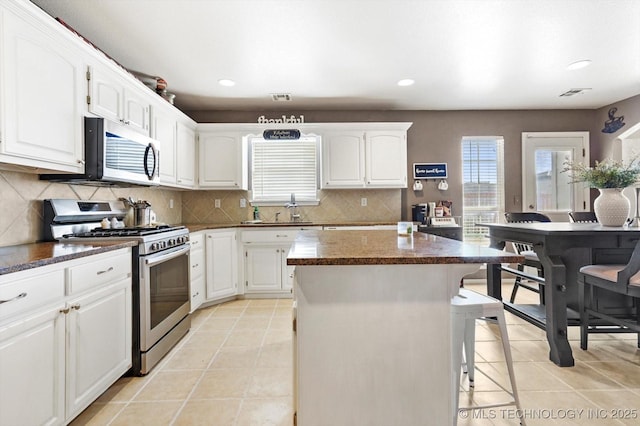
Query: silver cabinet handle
(105, 271)
(20, 296)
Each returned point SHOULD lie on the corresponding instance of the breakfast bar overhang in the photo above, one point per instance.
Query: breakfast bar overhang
(372, 329)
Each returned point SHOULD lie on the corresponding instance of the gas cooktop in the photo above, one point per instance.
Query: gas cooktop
(124, 232)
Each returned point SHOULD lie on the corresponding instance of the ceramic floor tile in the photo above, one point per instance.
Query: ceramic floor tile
(223, 382)
(271, 382)
(208, 412)
(169, 385)
(147, 413)
(266, 411)
(235, 357)
(98, 414)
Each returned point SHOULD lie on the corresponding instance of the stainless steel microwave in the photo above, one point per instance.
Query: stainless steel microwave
(115, 154)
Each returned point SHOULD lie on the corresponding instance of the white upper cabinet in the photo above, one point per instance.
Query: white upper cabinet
(114, 98)
(372, 156)
(222, 160)
(185, 155)
(386, 159)
(163, 129)
(42, 89)
(343, 159)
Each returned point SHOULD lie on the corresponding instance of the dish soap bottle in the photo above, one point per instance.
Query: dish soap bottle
(256, 213)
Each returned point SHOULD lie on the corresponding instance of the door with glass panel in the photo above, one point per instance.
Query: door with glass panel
(546, 188)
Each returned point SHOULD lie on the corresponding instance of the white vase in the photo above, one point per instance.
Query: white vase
(611, 207)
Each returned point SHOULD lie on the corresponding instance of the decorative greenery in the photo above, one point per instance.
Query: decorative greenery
(605, 174)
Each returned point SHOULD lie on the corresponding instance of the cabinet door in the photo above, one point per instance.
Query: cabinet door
(163, 129)
(113, 98)
(221, 159)
(263, 268)
(386, 159)
(222, 264)
(136, 110)
(99, 331)
(343, 160)
(32, 370)
(106, 95)
(186, 156)
(43, 85)
(287, 270)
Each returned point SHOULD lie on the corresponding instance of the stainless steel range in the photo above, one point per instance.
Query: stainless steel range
(160, 272)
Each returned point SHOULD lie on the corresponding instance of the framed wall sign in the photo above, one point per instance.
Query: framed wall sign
(430, 170)
(278, 134)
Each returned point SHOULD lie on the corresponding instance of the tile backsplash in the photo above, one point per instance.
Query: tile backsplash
(336, 205)
(22, 195)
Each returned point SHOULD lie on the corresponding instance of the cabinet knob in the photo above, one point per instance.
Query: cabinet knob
(75, 306)
(64, 311)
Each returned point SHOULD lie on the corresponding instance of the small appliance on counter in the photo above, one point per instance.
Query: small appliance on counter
(420, 213)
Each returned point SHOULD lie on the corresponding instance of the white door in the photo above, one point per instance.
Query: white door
(343, 160)
(545, 187)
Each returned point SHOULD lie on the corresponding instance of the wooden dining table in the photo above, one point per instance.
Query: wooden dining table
(563, 248)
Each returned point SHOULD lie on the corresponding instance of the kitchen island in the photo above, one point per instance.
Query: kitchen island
(372, 325)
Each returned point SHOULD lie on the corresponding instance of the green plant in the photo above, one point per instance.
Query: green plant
(605, 174)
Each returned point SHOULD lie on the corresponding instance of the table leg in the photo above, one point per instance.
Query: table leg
(494, 281)
(556, 310)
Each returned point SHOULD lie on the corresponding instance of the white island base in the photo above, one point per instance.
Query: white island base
(372, 344)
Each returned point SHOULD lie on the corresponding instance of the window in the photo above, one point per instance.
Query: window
(280, 168)
(483, 185)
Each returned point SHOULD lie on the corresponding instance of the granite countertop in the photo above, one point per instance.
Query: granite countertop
(28, 256)
(195, 227)
(387, 247)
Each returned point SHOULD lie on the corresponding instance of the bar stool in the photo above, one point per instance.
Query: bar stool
(466, 308)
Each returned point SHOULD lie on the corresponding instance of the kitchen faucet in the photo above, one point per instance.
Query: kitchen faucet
(294, 216)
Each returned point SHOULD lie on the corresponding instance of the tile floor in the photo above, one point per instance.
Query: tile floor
(234, 368)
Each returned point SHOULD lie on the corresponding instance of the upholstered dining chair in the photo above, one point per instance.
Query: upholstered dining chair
(593, 280)
(583, 217)
(530, 257)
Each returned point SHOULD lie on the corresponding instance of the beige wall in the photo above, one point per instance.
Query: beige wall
(21, 196)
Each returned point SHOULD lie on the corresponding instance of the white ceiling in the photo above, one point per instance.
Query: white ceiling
(349, 54)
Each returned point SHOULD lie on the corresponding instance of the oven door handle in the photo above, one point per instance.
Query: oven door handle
(166, 255)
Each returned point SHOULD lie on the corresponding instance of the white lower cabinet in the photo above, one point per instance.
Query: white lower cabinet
(222, 264)
(32, 355)
(265, 260)
(62, 346)
(99, 346)
(198, 286)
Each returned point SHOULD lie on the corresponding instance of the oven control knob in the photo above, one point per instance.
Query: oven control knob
(154, 246)
(163, 244)
(172, 242)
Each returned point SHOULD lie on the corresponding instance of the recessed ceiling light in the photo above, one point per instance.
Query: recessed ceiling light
(406, 82)
(579, 64)
(226, 82)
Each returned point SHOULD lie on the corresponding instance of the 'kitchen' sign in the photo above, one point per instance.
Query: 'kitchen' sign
(430, 170)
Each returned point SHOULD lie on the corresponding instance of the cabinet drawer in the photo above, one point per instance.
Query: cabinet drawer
(102, 269)
(23, 292)
(270, 236)
(197, 263)
(196, 240)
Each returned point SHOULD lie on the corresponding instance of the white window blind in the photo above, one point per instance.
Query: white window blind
(280, 168)
(483, 184)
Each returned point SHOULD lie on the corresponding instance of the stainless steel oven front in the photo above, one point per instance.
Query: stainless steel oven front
(164, 303)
